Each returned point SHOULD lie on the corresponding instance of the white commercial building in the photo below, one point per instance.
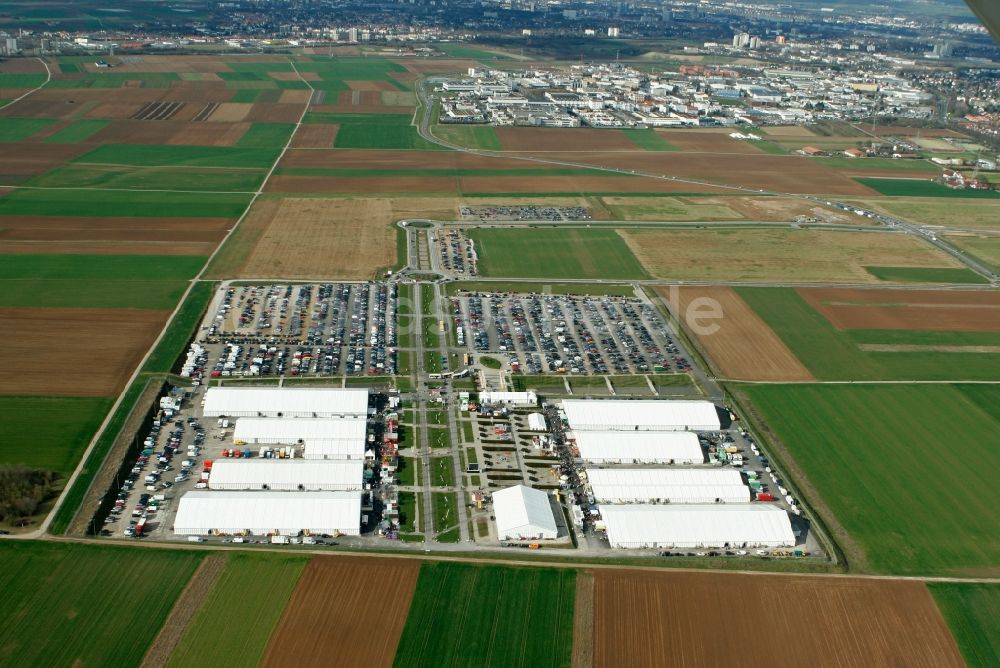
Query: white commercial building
(639, 447)
(290, 475)
(668, 486)
(523, 513)
(696, 526)
(511, 398)
(285, 402)
(641, 415)
(295, 431)
(262, 513)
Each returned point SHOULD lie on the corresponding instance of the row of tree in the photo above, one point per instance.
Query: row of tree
(23, 490)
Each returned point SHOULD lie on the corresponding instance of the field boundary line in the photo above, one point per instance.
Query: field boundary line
(48, 78)
(43, 528)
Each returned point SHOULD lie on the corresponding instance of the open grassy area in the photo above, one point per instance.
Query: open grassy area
(471, 136)
(846, 165)
(89, 293)
(922, 188)
(181, 329)
(48, 432)
(554, 253)
(648, 139)
(832, 354)
(159, 155)
(111, 203)
(445, 516)
(79, 131)
(40, 267)
(16, 129)
(984, 249)
(973, 613)
(926, 275)
(250, 594)
(150, 178)
(464, 615)
(69, 605)
(908, 481)
(407, 512)
(406, 471)
(442, 472)
(622, 290)
(666, 209)
(439, 437)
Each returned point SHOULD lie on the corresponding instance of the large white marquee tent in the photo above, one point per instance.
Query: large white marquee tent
(639, 447)
(285, 402)
(668, 486)
(262, 513)
(293, 431)
(694, 526)
(640, 415)
(523, 513)
(287, 474)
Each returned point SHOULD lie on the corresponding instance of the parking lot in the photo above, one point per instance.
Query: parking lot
(302, 330)
(456, 252)
(567, 334)
(487, 214)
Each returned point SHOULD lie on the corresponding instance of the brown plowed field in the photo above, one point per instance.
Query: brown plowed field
(792, 131)
(715, 619)
(277, 113)
(110, 228)
(209, 134)
(109, 247)
(374, 159)
(574, 184)
(314, 136)
(564, 139)
(74, 352)
(776, 208)
(741, 345)
(902, 131)
(362, 184)
(369, 85)
(791, 174)
(701, 141)
(294, 96)
(21, 161)
(231, 112)
(345, 611)
(138, 132)
(109, 234)
(926, 310)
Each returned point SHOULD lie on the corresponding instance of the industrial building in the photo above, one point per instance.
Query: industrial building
(697, 526)
(296, 431)
(668, 486)
(285, 402)
(265, 513)
(641, 415)
(523, 513)
(638, 447)
(522, 399)
(288, 475)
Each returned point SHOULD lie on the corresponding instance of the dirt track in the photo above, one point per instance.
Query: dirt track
(935, 311)
(344, 612)
(713, 619)
(743, 347)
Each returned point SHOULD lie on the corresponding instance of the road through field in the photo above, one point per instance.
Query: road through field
(44, 526)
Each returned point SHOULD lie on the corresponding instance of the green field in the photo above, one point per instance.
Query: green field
(922, 188)
(101, 267)
(965, 214)
(13, 80)
(250, 595)
(667, 209)
(111, 203)
(906, 470)
(442, 472)
(383, 131)
(406, 470)
(16, 129)
(181, 329)
(150, 178)
(554, 253)
(984, 249)
(157, 155)
(439, 437)
(926, 275)
(973, 613)
(845, 164)
(48, 432)
(465, 615)
(81, 605)
(471, 136)
(266, 135)
(89, 293)
(649, 139)
(832, 354)
(454, 287)
(445, 507)
(79, 131)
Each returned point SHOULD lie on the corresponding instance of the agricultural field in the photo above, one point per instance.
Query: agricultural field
(375, 131)
(973, 613)
(951, 214)
(250, 594)
(666, 209)
(350, 607)
(48, 432)
(465, 614)
(800, 255)
(549, 253)
(878, 460)
(846, 622)
(984, 248)
(852, 334)
(68, 604)
(922, 188)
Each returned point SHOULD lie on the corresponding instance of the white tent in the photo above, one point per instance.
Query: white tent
(668, 486)
(639, 447)
(695, 526)
(512, 398)
(285, 402)
(523, 513)
(536, 422)
(263, 513)
(287, 474)
(640, 415)
(339, 448)
(293, 431)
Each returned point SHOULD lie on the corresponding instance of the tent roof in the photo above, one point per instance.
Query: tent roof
(520, 506)
(646, 414)
(279, 472)
(290, 400)
(254, 428)
(674, 484)
(203, 510)
(639, 445)
(697, 524)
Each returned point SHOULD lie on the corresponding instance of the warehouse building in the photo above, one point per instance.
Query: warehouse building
(668, 486)
(295, 431)
(285, 402)
(523, 513)
(639, 447)
(288, 475)
(697, 526)
(264, 513)
(641, 415)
